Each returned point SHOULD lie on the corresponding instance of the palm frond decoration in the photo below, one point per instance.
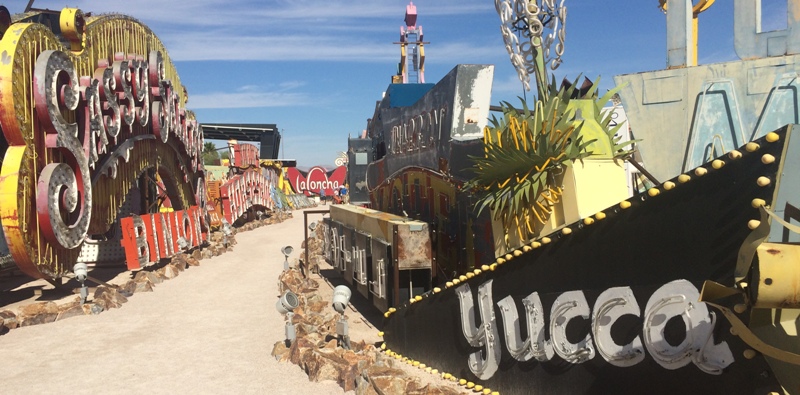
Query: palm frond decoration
(527, 148)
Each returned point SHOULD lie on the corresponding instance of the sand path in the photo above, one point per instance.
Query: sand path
(210, 330)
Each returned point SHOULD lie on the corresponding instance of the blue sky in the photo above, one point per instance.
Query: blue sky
(316, 68)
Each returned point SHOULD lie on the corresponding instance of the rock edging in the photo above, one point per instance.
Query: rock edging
(363, 369)
(113, 296)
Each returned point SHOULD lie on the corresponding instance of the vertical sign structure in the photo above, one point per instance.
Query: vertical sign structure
(412, 50)
(247, 187)
(85, 123)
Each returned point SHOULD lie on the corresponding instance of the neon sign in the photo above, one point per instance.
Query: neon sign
(316, 179)
(243, 191)
(83, 125)
(150, 237)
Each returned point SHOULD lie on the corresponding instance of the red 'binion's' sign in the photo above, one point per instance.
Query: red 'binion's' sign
(316, 179)
(150, 237)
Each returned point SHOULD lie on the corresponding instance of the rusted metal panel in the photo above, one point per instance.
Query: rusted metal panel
(777, 277)
(437, 206)
(390, 246)
(214, 203)
(413, 248)
(372, 222)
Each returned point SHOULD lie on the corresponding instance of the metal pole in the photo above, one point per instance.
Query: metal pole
(642, 170)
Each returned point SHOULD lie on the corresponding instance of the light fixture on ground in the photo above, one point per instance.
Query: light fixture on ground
(81, 274)
(285, 305)
(286, 252)
(227, 230)
(183, 244)
(341, 297)
(312, 226)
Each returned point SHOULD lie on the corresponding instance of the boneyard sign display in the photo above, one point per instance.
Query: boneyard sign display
(86, 123)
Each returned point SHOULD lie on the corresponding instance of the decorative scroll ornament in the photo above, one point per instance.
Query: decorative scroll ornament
(341, 159)
(64, 197)
(523, 23)
(82, 127)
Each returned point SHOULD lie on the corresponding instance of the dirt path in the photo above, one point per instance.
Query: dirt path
(210, 330)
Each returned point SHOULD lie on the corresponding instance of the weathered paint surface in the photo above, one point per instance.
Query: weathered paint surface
(387, 258)
(248, 183)
(244, 155)
(243, 191)
(428, 196)
(148, 238)
(429, 132)
(79, 121)
(420, 156)
(317, 178)
(687, 115)
(414, 249)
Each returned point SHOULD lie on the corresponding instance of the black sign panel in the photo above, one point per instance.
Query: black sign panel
(613, 305)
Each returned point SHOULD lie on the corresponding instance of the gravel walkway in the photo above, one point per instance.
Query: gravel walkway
(208, 331)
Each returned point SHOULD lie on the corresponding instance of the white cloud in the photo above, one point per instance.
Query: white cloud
(214, 46)
(247, 99)
(209, 46)
(299, 14)
(509, 85)
(282, 30)
(248, 88)
(292, 84)
(460, 52)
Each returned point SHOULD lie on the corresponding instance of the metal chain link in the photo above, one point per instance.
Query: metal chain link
(528, 19)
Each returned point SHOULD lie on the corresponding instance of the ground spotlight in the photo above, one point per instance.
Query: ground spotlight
(183, 244)
(227, 229)
(312, 226)
(81, 274)
(288, 302)
(341, 297)
(286, 252)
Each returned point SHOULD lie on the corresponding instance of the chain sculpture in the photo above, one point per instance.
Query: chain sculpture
(523, 24)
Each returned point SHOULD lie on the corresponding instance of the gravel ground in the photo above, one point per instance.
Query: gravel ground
(210, 330)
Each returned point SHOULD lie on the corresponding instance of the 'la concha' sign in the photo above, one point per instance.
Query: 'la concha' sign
(316, 179)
